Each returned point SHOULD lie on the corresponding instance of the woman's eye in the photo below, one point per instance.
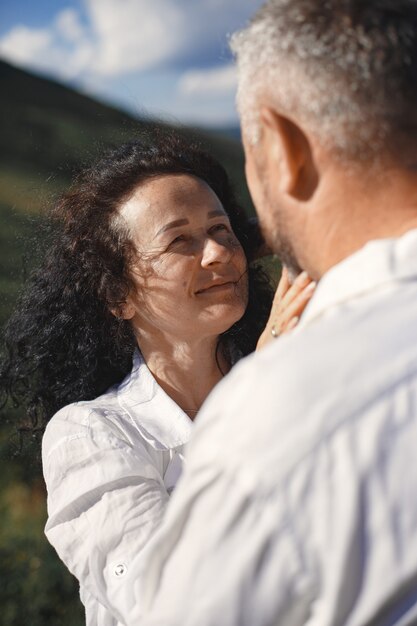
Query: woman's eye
(219, 227)
(178, 239)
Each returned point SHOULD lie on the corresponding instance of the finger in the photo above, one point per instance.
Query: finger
(281, 318)
(295, 289)
(297, 306)
(283, 285)
(291, 324)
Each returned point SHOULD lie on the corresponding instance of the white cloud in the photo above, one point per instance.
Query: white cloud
(21, 44)
(133, 35)
(213, 82)
(123, 36)
(68, 25)
(62, 49)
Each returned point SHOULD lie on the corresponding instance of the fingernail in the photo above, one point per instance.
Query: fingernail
(301, 278)
(311, 287)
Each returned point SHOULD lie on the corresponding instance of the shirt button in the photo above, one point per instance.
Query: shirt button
(120, 570)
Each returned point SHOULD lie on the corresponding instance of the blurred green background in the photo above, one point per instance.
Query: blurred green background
(47, 133)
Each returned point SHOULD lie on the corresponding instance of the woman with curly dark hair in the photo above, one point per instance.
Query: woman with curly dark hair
(149, 265)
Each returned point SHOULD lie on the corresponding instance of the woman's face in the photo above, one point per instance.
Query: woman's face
(190, 274)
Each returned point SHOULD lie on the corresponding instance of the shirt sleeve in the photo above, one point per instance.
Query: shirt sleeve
(220, 572)
(105, 500)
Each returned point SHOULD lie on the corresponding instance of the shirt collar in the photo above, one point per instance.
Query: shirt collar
(161, 421)
(376, 265)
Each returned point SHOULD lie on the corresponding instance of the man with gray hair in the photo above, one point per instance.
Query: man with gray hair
(298, 502)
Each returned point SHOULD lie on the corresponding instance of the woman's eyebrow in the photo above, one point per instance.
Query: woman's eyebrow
(174, 224)
(216, 213)
(183, 221)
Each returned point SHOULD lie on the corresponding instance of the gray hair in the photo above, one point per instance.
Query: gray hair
(347, 69)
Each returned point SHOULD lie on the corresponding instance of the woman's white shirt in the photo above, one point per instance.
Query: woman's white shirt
(109, 466)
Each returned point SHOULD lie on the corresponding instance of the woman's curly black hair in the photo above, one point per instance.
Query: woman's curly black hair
(63, 344)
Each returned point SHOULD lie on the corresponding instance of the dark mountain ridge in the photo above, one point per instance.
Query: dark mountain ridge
(49, 130)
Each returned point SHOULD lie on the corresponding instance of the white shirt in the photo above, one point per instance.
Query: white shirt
(109, 466)
(298, 503)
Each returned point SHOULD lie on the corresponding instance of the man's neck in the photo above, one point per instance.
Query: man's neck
(355, 211)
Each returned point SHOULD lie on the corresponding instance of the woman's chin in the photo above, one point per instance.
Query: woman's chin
(222, 316)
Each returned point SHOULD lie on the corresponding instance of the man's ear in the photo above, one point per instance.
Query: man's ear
(289, 153)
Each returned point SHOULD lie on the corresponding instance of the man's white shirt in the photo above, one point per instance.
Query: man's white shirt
(298, 502)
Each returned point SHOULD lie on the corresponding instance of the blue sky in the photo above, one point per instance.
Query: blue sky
(167, 58)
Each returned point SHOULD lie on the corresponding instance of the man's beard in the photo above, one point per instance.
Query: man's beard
(280, 244)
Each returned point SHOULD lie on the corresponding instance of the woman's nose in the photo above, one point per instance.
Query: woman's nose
(215, 252)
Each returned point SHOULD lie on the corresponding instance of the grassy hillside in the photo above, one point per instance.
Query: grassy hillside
(47, 132)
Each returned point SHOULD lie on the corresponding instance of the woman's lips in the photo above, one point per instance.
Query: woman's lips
(216, 287)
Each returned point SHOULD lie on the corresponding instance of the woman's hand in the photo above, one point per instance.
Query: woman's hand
(289, 302)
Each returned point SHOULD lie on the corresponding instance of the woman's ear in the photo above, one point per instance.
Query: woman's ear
(125, 311)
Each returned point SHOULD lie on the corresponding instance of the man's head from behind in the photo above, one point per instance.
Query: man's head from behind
(333, 77)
